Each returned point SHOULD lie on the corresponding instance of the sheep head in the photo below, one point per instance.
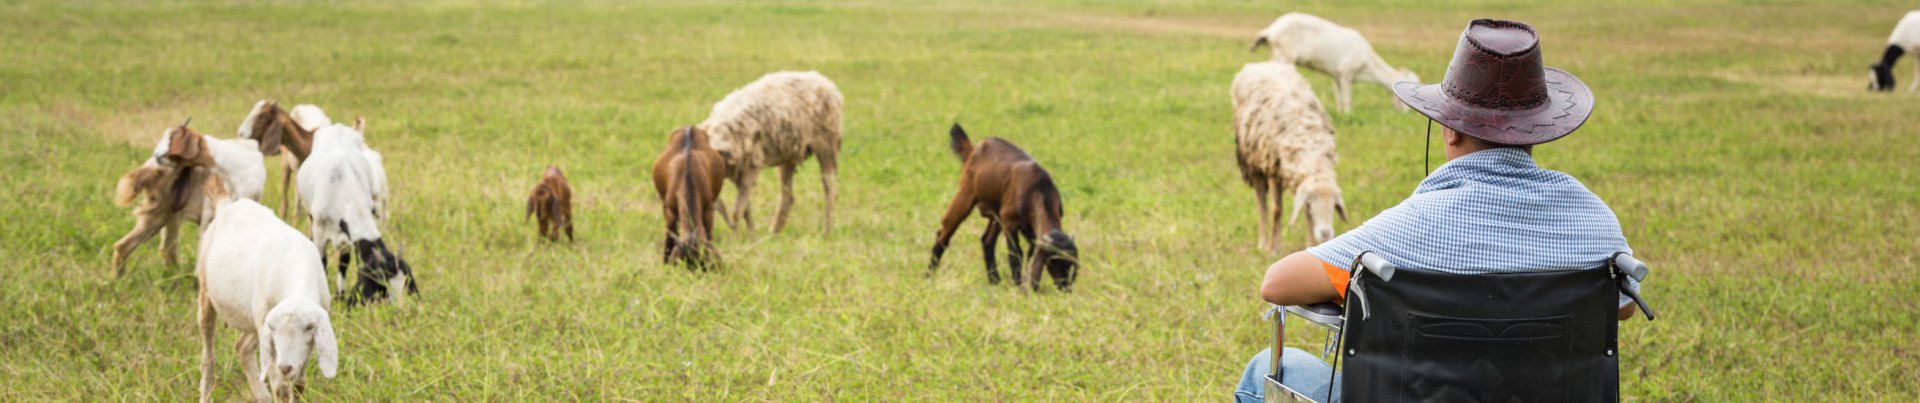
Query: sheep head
(292, 330)
(1322, 201)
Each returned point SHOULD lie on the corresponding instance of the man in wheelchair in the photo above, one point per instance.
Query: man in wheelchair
(1511, 277)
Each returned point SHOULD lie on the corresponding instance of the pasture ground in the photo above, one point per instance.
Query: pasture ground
(1774, 196)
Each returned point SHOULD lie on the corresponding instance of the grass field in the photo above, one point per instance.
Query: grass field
(1775, 197)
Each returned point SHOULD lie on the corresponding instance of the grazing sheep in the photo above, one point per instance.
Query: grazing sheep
(687, 176)
(1017, 197)
(778, 121)
(337, 184)
(277, 129)
(1329, 48)
(182, 160)
(1284, 140)
(1905, 39)
(260, 277)
(552, 201)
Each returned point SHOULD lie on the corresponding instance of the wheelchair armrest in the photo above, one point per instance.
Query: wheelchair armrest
(1325, 314)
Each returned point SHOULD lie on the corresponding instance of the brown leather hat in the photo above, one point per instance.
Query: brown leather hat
(1497, 90)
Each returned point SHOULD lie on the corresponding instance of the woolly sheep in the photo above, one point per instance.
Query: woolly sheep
(1284, 140)
(1341, 52)
(778, 121)
(1905, 39)
(261, 277)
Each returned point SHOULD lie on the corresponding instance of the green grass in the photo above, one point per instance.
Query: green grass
(1773, 195)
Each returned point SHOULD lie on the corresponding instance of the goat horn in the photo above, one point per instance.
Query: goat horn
(183, 123)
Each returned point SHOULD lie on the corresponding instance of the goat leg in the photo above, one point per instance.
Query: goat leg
(1014, 251)
(987, 240)
(170, 243)
(205, 320)
(143, 229)
(956, 213)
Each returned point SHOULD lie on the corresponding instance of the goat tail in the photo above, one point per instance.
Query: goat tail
(132, 184)
(962, 147)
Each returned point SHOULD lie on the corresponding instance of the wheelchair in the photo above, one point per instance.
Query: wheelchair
(1420, 335)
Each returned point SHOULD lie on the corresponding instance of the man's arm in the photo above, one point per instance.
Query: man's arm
(1297, 279)
(1627, 311)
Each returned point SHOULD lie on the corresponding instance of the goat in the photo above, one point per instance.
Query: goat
(1283, 139)
(337, 183)
(687, 177)
(552, 201)
(1905, 39)
(779, 120)
(278, 130)
(1018, 198)
(183, 159)
(257, 275)
(1338, 51)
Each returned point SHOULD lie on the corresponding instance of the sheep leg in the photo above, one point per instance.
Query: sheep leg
(1279, 228)
(1260, 195)
(743, 191)
(204, 319)
(987, 241)
(170, 243)
(786, 198)
(143, 229)
(1343, 92)
(830, 178)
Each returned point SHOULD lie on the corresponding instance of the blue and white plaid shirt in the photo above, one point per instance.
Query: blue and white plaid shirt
(1492, 211)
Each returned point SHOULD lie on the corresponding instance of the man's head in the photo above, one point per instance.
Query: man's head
(1498, 93)
(1459, 144)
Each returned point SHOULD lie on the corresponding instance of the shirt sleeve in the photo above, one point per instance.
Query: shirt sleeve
(1369, 236)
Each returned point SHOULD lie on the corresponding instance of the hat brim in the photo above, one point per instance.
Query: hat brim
(1569, 105)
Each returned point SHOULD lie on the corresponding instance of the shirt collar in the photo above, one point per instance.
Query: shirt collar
(1502, 161)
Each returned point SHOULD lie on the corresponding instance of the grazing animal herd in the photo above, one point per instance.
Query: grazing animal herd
(267, 280)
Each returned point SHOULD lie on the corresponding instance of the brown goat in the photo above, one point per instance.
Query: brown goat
(1018, 198)
(552, 202)
(687, 177)
(276, 129)
(171, 197)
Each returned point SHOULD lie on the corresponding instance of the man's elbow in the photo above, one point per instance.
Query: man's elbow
(1270, 292)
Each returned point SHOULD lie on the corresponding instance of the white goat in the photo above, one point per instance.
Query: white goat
(778, 121)
(1284, 139)
(183, 159)
(261, 277)
(1905, 39)
(1338, 51)
(338, 184)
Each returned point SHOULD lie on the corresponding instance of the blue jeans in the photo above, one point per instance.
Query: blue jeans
(1298, 370)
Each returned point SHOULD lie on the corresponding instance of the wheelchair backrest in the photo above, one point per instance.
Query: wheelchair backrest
(1532, 337)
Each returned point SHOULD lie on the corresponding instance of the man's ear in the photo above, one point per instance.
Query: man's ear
(1450, 137)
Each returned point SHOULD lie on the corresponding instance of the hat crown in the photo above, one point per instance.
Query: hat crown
(1497, 66)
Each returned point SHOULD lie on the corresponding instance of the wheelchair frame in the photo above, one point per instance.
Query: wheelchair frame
(1333, 317)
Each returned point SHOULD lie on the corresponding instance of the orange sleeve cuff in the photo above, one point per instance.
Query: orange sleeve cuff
(1339, 280)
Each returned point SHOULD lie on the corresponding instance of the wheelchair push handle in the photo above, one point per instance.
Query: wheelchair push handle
(1633, 268)
(1379, 265)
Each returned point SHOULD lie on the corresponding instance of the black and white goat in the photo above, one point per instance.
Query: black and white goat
(1905, 39)
(337, 184)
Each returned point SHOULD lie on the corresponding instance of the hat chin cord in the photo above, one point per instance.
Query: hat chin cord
(1426, 155)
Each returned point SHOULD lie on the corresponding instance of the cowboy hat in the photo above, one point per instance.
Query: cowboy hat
(1497, 90)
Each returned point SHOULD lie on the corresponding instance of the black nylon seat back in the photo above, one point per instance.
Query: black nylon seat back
(1525, 337)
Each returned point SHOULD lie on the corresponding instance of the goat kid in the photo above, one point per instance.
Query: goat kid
(1018, 198)
(687, 177)
(552, 202)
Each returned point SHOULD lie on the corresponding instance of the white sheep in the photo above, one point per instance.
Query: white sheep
(778, 121)
(181, 161)
(262, 278)
(1338, 51)
(1905, 39)
(1284, 140)
(338, 184)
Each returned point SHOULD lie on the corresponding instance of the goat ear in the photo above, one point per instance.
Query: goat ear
(360, 124)
(267, 353)
(326, 349)
(270, 142)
